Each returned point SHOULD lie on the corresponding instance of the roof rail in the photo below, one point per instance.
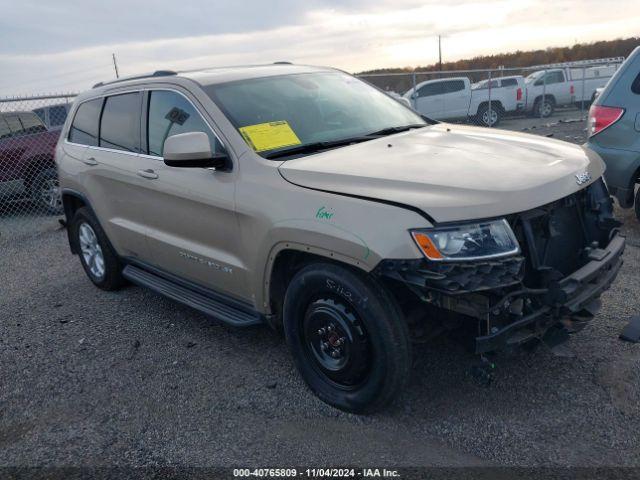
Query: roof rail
(157, 73)
(282, 63)
(584, 63)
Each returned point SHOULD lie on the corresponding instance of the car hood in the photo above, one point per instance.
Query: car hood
(452, 172)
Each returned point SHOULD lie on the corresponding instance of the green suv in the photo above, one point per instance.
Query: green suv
(614, 131)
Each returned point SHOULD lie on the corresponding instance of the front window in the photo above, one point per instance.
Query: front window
(534, 76)
(280, 112)
(171, 114)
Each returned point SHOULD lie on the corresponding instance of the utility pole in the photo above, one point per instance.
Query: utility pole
(440, 51)
(115, 65)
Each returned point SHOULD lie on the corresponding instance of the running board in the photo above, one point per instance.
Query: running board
(203, 302)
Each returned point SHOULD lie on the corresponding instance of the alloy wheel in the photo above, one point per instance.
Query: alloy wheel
(91, 250)
(50, 194)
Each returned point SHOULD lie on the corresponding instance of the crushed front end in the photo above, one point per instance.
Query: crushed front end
(569, 252)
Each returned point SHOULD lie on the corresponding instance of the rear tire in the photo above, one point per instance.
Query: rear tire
(99, 260)
(483, 118)
(348, 338)
(544, 109)
(637, 204)
(46, 191)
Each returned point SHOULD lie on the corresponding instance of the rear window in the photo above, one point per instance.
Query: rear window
(120, 124)
(635, 86)
(509, 82)
(453, 86)
(31, 123)
(4, 129)
(40, 113)
(84, 129)
(57, 115)
(14, 124)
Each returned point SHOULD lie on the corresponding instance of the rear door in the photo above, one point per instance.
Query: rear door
(456, 95)
(507, 93)
(12, 152)
(9, 183)
(193, 229)
(113, 177)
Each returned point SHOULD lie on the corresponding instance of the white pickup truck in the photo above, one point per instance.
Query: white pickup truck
(546, 89)
(452, 98)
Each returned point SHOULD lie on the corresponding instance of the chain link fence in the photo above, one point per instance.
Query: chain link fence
(29, 194)
(520, 99)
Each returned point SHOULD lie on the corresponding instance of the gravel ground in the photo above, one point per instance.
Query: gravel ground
(129, 378)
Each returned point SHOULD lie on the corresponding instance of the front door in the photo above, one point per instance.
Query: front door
(429, 100)
(193, 229)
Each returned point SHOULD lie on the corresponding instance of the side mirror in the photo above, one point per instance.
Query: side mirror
(192, 150)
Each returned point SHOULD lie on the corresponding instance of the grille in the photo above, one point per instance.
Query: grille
(557, 237)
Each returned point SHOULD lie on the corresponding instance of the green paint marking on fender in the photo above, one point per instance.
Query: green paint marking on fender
(367, 251)
(324, 214)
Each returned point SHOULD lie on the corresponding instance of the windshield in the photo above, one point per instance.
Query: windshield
(280, 112)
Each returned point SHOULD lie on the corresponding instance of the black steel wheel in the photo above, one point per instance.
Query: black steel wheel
(337, 343)
(348, 337)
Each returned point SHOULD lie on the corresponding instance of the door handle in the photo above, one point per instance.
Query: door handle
(148, 173)
(90, 161)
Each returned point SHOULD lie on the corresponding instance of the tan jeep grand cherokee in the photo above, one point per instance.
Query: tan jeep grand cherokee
(304, 198)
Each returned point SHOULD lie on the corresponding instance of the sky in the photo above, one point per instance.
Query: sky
(55, 46)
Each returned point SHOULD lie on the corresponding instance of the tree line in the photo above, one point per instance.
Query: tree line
(580, 51)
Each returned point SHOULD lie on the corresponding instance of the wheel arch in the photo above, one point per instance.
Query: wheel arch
(285, 260)
(494, 104)
(546, 95)
(72, 201)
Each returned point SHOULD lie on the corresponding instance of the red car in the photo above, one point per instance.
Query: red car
(27, 168)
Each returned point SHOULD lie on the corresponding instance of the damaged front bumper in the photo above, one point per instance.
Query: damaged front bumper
(570, 301)
(489, 290)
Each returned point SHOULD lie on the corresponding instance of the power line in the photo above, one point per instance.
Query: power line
(49, 77)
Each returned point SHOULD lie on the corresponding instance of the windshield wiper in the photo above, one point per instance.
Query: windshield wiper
(392, 130)
(316, 146)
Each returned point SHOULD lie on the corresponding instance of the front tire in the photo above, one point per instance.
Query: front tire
(348, 338)
(99, 260)
(637, 204)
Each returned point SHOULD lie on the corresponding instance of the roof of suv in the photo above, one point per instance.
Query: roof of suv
(216, 75)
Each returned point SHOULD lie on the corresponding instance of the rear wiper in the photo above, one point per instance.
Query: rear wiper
(392, 130)
(317, 146)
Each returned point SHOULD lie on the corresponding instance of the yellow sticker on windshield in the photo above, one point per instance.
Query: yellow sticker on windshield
(269, 136)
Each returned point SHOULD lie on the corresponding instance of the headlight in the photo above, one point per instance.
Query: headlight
(467, 242)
